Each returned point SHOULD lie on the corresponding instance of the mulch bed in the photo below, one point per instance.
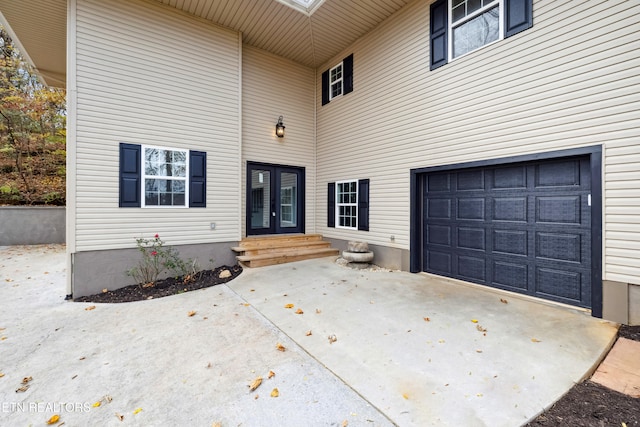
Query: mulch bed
(165, 287)
(589, 404)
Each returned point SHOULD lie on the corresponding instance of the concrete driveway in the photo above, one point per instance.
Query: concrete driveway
(404, 350)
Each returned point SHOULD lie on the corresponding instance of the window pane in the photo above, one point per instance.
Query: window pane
(477, 32)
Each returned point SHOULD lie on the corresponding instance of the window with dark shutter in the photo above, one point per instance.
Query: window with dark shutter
(439, 24)
(348, 74)
(338, 80)
(197, 179)
(363, 204)
(518, 16)
(130, 175)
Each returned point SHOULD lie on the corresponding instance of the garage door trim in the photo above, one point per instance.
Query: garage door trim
(417, 180)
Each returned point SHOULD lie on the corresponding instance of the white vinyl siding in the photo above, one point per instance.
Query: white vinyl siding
(572, 80)
(273, 87)
(150, 75)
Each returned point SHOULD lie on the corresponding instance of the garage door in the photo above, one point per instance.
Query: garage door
(522, 227)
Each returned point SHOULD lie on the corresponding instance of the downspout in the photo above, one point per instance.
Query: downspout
(72, 115)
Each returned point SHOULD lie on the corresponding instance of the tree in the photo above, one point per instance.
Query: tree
(32, 133)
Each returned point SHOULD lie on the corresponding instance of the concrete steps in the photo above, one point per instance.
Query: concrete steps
(259, 251)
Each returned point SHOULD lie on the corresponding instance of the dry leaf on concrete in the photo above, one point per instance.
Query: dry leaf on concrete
(299, 311)
(275, 392)
(271, 374)
(308, 333)
(535, 340)
(255, 384)
(22, 389)
(288, 306)
(120, 416)
(280, 347)
(332, 339)
(54, 419)
(137, 411)
(504, 301)
(92, 307)
(26, 380)
(191, 313)
(426, 319)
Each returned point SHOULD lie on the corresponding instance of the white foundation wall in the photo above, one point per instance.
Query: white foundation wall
(148, 74)
(274, 87)
(572, 80)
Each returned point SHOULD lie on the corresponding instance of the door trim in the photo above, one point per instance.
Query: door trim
(417, 180)
(276, 197)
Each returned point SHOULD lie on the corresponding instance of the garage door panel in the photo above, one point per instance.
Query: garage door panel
(472, 268)
(513, 242)
(559, 284)
(524, 227)
(471, 238)
(510, 209)
(558, 174)
(439, 235)
(470, 180)
(558, 209)
(513, 177)
(439, 262)
(559, 247)
(438, 209)
(471, 209)
(510, 275)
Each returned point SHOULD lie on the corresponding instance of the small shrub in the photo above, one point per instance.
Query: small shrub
(157, 258)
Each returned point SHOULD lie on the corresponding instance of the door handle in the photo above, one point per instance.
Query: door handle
(273, 214)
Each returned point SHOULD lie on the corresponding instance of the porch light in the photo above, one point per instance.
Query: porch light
(280, 128)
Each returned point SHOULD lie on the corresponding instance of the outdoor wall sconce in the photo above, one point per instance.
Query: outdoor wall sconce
(280, 128)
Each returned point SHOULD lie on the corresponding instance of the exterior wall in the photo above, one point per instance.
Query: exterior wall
(572, 80)
(273, 87)
(148, 74)
(24, 225)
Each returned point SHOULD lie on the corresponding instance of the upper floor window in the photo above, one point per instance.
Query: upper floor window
(458, 27)
(335, 81)
(474, 23)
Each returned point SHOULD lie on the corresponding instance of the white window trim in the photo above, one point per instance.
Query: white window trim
(478, 12)
(145, 176)
(340, 80)
(338, 204)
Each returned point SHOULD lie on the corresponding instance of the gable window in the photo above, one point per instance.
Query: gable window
(335, 81)
(459, 27)
(161, 177)
(338, 80)
(348, 204)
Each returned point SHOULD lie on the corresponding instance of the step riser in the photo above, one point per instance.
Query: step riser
(280, 250)
(281, 260)
(272, 250)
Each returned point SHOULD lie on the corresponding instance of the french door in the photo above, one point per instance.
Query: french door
(275, 199)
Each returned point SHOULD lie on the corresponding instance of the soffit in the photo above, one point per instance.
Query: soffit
(309, 36)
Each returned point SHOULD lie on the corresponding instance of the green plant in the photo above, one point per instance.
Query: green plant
(158, 258)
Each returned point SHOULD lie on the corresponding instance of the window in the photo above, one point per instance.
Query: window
(165, 177)
(337, 80)
(287, 204)
(348, 204)
(474, 23)
(459, 27)
(156, 176)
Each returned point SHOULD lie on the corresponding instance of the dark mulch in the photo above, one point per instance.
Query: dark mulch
(165, 287)
(589, 404)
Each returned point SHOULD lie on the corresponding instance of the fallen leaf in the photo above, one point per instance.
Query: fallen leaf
(256, 397)
(216, 424)
(345, 423)
(137, 411)
(332, 339)
(246, 304)
(318, 311)
(405, 395)
(105, 290)
(54, 419)
(1, 375)
(91, 307)
(108, 399)
(474, 320)
(308, 333)
(299, 311)
(22, 389)
(191, 313)
(478, 351)
(209, 365)
(46, 272)
(275, 392)
(252, 290)
(535, 340)
(280, 347)
(441, 341)
(288, 306)
(504, 301)
(26, 380)
(3, 338)
(426, 319)
(255, 384)
(271, 374)
(95, 405)
(120, 416)
(480, 328)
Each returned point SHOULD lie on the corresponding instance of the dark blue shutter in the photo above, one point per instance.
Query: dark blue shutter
(197, 179)
(130, 175)
(438, 28)
(363, 204)
(325, 87)
(347, 69)
(518, 16)
(331, 205)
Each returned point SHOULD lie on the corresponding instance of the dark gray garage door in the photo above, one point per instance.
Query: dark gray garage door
(522, 227)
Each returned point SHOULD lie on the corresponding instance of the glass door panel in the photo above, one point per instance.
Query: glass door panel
(288, 200)
(260, 203)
